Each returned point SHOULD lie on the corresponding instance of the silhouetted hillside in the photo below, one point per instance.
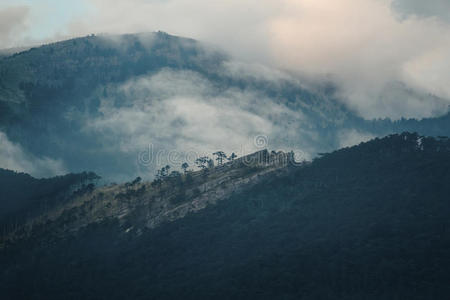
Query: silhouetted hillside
(367, 222)
(22, 195)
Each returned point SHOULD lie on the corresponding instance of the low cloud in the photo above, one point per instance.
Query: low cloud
(13, 157)
(365, 47)
(13, 22)
(431, 8)
(183, 111)
(353, 137)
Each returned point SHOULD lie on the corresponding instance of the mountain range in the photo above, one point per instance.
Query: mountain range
(95, 103)
(108, 189)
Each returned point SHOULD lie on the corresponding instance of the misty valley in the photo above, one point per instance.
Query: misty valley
(155, 166)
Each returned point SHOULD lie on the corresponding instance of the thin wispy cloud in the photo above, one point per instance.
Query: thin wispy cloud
(439, 9)
(13, 157)
(183, 111)
(13, 23)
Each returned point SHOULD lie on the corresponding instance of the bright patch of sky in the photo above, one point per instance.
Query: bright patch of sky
(50, 18)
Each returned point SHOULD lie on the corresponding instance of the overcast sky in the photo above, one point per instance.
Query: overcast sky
(365, 46)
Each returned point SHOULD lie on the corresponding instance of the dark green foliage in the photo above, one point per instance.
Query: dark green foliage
(22, 195)
(202, 162)
(179, 197)
(131, 193)
(84, 189)
(368, 222)
(220, 157)
(185, 166)
(188, 179)
(232, 156)
(156, 183)
(196, 192)
(163, 173)
(136, 181)
(175, 179)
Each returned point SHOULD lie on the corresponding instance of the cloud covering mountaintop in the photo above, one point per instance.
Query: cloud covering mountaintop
(368, 48)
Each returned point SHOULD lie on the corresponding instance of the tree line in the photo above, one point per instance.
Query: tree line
(202, 163)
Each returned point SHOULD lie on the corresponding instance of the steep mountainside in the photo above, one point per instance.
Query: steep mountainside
(367, 222)
(48, 93)
(67, 203)
(22, 196)
(96, 102)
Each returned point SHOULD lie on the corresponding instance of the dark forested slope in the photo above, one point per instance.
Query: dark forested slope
(367, 222)
(22, 195)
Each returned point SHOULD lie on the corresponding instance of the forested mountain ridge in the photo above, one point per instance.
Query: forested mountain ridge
(73, 101)
(135, 205)
(50, 94)
(366, 222)
(22, 196)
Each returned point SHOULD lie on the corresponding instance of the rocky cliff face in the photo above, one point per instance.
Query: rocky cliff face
(148, 204)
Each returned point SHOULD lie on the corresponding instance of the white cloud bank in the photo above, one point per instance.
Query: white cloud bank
(13, 157)
(366, 46)
(13, 22)
(183, 112)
